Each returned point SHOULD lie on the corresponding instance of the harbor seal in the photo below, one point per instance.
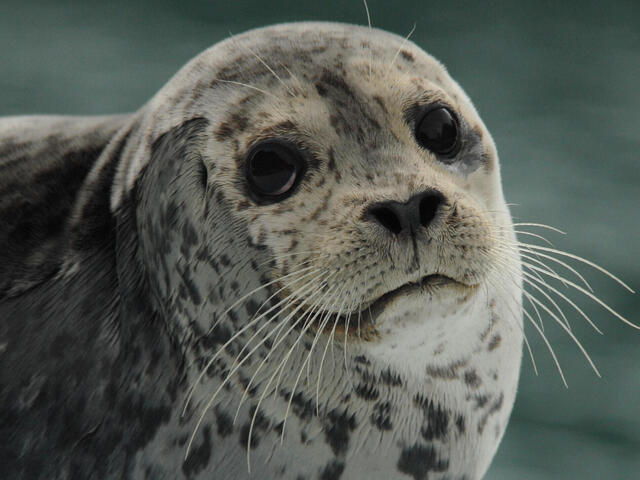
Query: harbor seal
(295, 260)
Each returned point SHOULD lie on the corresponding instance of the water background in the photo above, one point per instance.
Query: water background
(557, 84)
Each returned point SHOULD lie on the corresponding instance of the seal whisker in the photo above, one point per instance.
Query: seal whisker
(541, 225)
(580, 259)
(286, 87)
(293, 254)
(534, 300)
(313, 313)
(522, 248)
(395, 57)
(266, 389)
(504, 247)
(564, 297)
(286, 300)
(559, 262)
(366, 7)
(346, 335)
(535, 235)
(300, 87)
(546, 341)
(541, 280)
(569, 332)
(538, 279)
(233, 82)
(520, 326)
(329, 341)
(330, 291)
(261, 287)
(503, 289)
(591, 296)
(317, 289)
(311, 316)
(306, 324)
(311, 284)
(526, 280)
(233, 338)
(230, 374)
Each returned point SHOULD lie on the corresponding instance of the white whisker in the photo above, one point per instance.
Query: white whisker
(395, 57)
(592, 297)
(583, 260)
(569, 332)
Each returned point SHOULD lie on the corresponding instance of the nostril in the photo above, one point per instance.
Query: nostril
(428, 207)
(387, 218)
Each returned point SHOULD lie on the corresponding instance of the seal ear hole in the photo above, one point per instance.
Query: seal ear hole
(202, 174)
(273, 170)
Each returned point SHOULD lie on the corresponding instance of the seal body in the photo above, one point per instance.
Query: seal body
(163, 317)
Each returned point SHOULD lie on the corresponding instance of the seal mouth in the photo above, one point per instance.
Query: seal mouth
(363, 321)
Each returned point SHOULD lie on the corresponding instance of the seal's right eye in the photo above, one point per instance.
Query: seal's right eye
(274, 169)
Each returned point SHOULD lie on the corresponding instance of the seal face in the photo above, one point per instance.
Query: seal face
(296, 258)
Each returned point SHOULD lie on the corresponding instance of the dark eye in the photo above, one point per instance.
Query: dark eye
(437, 131)
(273, 169)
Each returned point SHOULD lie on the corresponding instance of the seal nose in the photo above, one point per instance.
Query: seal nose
(419, 210)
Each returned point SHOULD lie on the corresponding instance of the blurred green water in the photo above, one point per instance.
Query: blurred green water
(556, 83)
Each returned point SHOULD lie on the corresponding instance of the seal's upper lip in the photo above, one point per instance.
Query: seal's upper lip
(425, 284)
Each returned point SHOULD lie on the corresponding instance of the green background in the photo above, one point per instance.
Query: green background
(558, 85)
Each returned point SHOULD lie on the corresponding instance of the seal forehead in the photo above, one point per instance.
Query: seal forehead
(275, 61)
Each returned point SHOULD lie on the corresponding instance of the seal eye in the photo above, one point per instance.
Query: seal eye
(272, 170)
(437, 131)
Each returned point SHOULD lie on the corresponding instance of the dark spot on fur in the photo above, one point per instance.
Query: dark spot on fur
(321, 89)
(480, 401)
(436, 420)
(381, 416)
(390, 378)
(330, 79)
(472, 379)
(189, 239)
(301, 406)
(223, 132)
(494, 342)
(367, 391)
(408, 56)
(332, 471)
(460, 424)
(495, 407)
(252, 307)
(199, 456)
(417, 461)
(337, 430)
(448, 372)
(224, 422)
(191, 288)
(260, 426)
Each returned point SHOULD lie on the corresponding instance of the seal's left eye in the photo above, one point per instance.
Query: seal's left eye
(437, 131)
(273, 170)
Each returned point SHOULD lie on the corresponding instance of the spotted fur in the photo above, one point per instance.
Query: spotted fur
(128, 241)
